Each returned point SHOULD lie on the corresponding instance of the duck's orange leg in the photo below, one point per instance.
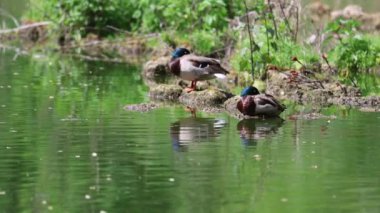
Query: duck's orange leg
(192, 87)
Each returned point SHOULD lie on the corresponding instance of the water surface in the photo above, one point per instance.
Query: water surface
(67, 145)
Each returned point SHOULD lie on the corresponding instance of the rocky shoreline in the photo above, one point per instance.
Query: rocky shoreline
(295, 85)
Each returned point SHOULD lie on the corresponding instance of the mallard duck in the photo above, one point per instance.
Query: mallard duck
(195, 68)
(253, 103)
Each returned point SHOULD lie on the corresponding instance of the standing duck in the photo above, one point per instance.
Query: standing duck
(253, 103)
(195, 68)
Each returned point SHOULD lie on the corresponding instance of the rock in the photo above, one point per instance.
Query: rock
(144, 107)
(165, 92)
(352, 12)
(156, 67)
(336, 14)
(206, 98)
(318, 11)
(230, 106)
(209, 100)
(370, 21)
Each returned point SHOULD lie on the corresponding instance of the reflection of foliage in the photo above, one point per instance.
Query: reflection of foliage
(71, 84)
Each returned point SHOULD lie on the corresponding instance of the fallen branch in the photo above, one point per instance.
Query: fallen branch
(25, 27)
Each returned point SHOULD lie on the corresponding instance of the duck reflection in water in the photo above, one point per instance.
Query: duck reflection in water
(190, 130)
(252, 130)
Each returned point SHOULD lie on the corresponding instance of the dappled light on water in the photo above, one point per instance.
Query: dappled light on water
(67, 145)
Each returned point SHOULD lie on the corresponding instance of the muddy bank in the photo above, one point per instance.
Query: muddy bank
(368, 104)
(304, 90)
(298, 87)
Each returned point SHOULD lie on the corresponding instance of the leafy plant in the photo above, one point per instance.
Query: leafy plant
(342, 27)
(205, 42)
(356, 55)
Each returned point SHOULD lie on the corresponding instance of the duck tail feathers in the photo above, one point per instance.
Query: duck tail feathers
(219, 75)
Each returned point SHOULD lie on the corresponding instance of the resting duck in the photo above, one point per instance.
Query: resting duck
(195, 68)
(253, 103)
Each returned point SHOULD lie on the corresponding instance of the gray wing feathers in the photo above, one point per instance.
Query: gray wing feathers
(204, 64)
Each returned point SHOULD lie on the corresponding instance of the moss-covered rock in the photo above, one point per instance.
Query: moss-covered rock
(144, 107)
(230, 106)
(165, 92)
(210, 100)
(156, 67)
(206, 98)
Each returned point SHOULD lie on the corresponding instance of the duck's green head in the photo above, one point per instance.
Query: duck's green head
(179, 52)
(250, 90)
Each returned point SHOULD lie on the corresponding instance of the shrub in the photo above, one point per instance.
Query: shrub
(277, 52)
(356, 54)
(145, 15)
(86, 16)
(205, 42)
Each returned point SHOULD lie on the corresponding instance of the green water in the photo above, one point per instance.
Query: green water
(67, 145)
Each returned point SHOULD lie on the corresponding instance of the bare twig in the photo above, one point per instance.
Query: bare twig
(324, 56)
(251, 42)
(273, 18)
(286, 19)
(119, 30)
(297, 23)
(267, 34)
(25, 27)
